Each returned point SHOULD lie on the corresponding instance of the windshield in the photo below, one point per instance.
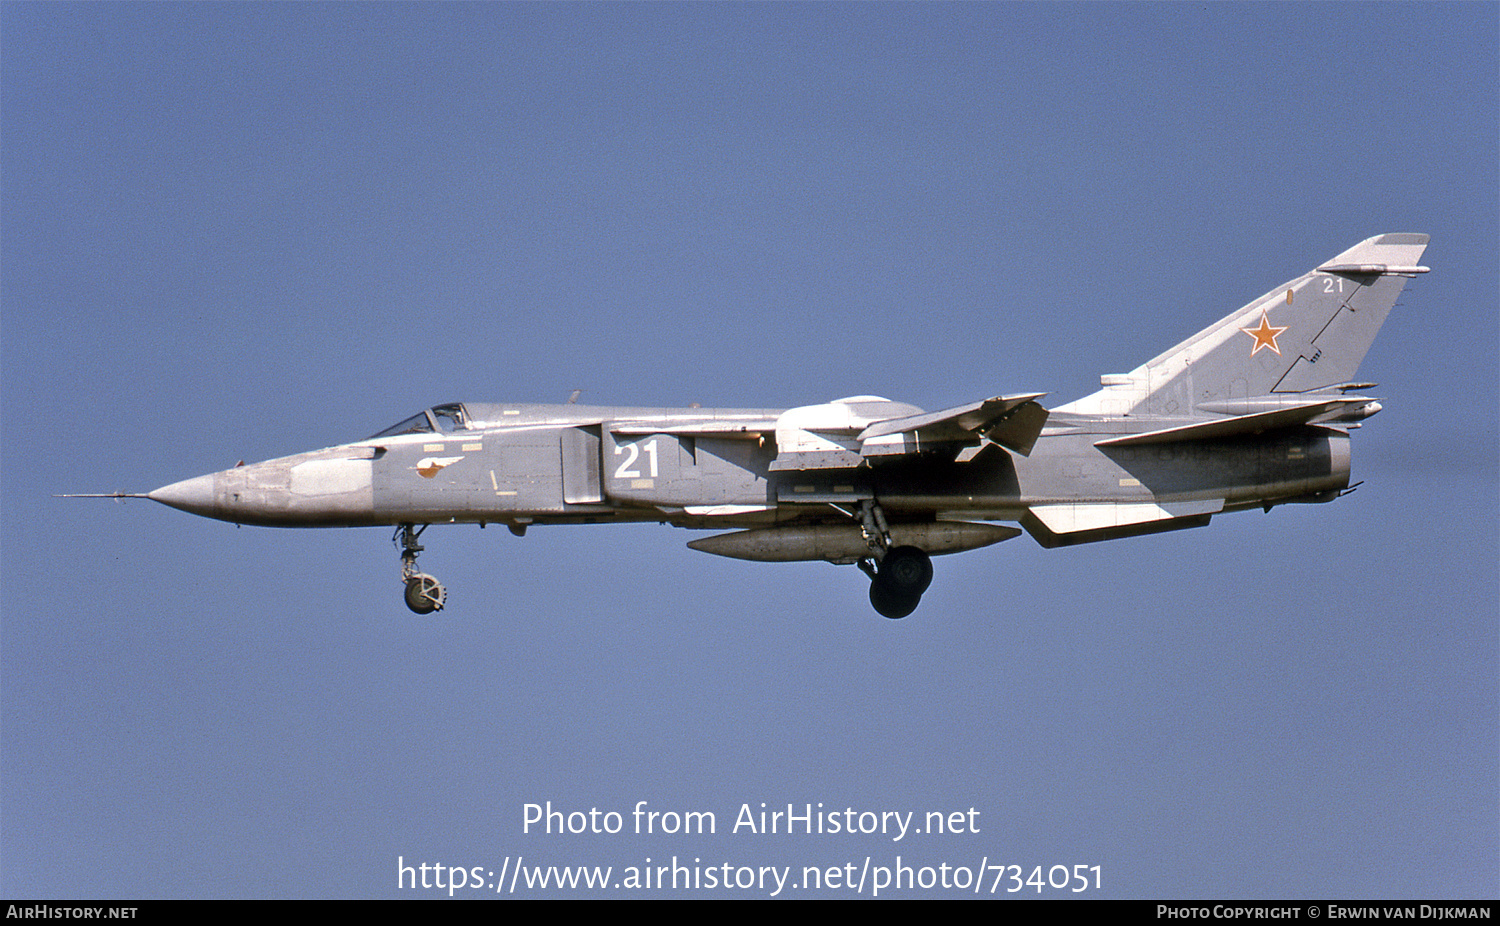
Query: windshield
(446, 418)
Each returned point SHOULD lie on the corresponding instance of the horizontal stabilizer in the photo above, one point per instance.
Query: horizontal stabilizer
(1239, 424)
(1071, 523)
(1071, 517)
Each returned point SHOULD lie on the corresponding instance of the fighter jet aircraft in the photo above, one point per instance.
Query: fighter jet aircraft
(1251, 412)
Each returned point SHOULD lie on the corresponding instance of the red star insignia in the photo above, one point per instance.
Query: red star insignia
(1264, 335)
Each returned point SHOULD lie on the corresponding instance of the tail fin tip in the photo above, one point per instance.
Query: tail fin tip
(1396, 252)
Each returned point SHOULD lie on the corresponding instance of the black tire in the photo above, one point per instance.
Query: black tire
(891, 603)
(906, 570)
(424, 594)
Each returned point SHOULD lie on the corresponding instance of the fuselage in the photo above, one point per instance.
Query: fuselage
(705, 468)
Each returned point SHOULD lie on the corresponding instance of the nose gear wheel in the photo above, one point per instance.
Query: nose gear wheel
(425, 594)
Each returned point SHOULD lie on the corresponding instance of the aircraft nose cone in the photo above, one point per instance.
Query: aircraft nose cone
(195, 495)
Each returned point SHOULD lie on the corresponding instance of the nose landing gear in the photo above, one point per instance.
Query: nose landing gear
(424, 593)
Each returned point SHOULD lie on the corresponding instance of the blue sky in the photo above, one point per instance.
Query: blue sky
(240, 231)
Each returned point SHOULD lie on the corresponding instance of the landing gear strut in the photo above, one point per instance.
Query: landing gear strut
(898, 575)
(424, 593)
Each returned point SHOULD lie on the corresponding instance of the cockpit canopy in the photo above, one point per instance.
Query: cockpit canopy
(438, 419)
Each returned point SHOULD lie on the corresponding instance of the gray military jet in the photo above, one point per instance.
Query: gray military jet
(1252, 412)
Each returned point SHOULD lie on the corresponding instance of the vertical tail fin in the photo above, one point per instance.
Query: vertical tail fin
(1307, 334)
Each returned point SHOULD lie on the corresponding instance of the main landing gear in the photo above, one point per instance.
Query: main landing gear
(424, 593)
(898, 575)
(897, 580)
